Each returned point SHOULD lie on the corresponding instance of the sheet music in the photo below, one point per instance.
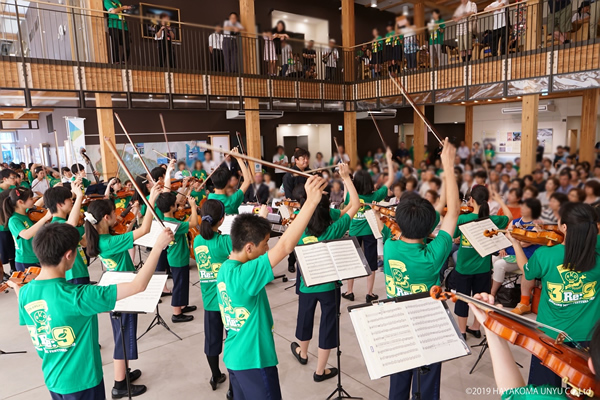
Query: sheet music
(284, 211)
(145, 301)
(372, 220)
(317, 265)
(473, 231)
(399, 336)
(346, 259)
(246, 209)
(156, 229)
(225, 228)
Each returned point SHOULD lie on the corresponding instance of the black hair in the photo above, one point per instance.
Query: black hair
(55, 196)
(29, 165)
(52, 241)
(595, 350)
(530, 177)
(565, 171)
(535, 206)
(363, 182)
(248, 228)
(401, 183)
(10, 202)
(142, 184)
(321, 218)
(216, 211)
(234, 13)
(533, 190)
(75, 168)
(165, 201)
(221, 177)
(99, 209)
(65, 169)
(518, 192)
(437, 11)
(301, 153)
(157, 173)
(279, 147)
(560, 197)
(38, 170)
(480, 195)
(7, 173)
(580, 240)
(595, 185)
(437, 181)
(415, 216)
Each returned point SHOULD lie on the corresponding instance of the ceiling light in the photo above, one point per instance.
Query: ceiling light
(462, 102)
(504, 98)
(476, 101)
(456, 122)
(305, 19)
(289, 124)
(374, 3)
(518, 97)
(489, 99)
(285, 16)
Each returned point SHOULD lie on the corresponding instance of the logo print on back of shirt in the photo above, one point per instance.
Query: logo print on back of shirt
(43, 335)
(233, 317)
(573, 288)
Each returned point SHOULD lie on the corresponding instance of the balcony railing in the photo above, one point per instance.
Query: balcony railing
(60, 56)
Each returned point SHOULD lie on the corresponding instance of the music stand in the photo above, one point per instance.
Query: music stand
(5, 353)
(158, 320)
(484, 346)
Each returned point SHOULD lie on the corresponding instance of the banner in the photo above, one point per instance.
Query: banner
(76, 135)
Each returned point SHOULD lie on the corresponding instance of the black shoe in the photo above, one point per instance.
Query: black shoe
(320, 378)
(181, 318)
(476, 333)
(136, 390)
(159, 301)
(296, 354)
(371, 298)
(229, 395)
(292, 268)
(134, 375)
(169, 276)
(348, 296)
(188, 309)
(165, 294)
(214, 383)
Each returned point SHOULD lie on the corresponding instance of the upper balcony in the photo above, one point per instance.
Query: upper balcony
(54, 56)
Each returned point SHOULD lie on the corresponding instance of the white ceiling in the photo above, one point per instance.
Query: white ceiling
(385, 3)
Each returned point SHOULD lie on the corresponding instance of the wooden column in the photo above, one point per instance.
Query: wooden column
(419, 137)
(589, 118)
(573, 140)
(529, 126)
(419, 14)
(469, 125)
(533, 33)
(348, 41)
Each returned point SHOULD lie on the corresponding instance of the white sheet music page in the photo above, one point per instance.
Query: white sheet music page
(156, 229)
(372, 220)
(473, 232)
(284, 211)
(145, 301)
(317, 265)
(246, 209)
(346, 259)
(396, 337)
(225, 228)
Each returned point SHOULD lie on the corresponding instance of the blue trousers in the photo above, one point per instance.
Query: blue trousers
(95, 393)
(130, 336)
(253, 384)
(213, 333)
(181, 286)
(401, 382)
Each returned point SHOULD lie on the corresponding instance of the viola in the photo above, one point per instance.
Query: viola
(22, 277)
(36, 214)
(124, 193)
(544, 238)
(89, 164)
(124, 219)
(288, 203)
(569, 363)
(393, 226)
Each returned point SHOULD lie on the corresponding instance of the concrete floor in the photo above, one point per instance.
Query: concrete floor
(178, 368)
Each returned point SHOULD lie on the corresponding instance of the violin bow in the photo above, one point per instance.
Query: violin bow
(248, 158)
(312, 171)
(162, 122)
(134, 149)
(337, 150)
(162, 154)
(385, 146)
(113, 150)
(419, 113)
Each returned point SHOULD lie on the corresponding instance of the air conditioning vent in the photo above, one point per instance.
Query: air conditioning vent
(550, 107)
(388, 113)
(241, 114)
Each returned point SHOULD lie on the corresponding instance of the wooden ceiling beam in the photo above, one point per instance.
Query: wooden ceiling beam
(24, 117)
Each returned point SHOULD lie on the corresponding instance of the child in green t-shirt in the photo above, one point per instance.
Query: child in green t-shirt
(62, 318)
(221, 179)
(250, 354)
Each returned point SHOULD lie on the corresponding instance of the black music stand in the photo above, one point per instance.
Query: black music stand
(6, 353)
(484, 346)
(158, 320)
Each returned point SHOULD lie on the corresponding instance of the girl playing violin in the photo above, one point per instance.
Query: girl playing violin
(14, 216)
(112, 189)
(570, 275)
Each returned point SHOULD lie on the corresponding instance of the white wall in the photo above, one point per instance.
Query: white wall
(319, 137)
(313, 28)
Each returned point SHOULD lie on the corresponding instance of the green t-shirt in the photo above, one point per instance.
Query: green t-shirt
(231, 203)
(437, 37)
(210, 254)
(24, 249)
(413, 267)
(53, 181)
(178, 253)
(360, 226)
(389, 38)
(25, 184)
(121, 203)
(114, 251)
(376, 45)
(469, 262)
(246, 313)
(28, 175)
(80, 267)
(489, 154)
(367, 161)
(200, 174)
(337, 230)
(63, 324)
(84, 182)
(160, 214)
(569, 299)
(531, 392)
(9, 188)
(114, 20)
(198, 196)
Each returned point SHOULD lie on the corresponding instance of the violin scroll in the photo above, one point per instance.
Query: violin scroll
(437, 293)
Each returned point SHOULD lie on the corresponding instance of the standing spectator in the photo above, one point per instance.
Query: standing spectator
(499, 34)
(463, 152)
(389, 44)
(164, 38)
(464, 32)
(287, 57)
(232, 30)
(308, 56)
(215, 46)
(209, 164)
(331, 57)
(517, 32)
(539, 152)
(258, 192)
(320, 162)
(279, 34)
(341, 156)
(559, 19)
(411, 43)
(376, 51)
(232, 165)
(280, 159)
(117, 31)
(489, 152)
(477, 154)
(269, 54)
(400, 155)
(436, 38)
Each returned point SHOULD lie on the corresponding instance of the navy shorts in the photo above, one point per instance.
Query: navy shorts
(23, 266)
(181, 286)
(95, 393)
(398, 52)
(84, 280)
(307, 304)
(130, 336)
(400, 383)
(258, 383)
(213, 333)
(369, 244)
(7, 247)
(163, 263)
(377, 58)
(470, 285)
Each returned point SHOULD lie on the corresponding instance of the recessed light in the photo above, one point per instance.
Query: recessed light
(504, 98)
(374, 3)
(305, 20)
(518, 97)
(456, 122)
(289, 124)
(285, 16)
(489, 99)
(476, 101)
(462, 102)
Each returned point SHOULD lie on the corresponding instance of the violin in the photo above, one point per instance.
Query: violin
(544, 238)
(36, 214)
(91, 197)
(192, 233)
(384, 211)
(124, 193)
(287, 221)
(182, 213)
(22, 277)
(178, 183)
(463, 210)
(393, 226)
(288, 203)
(569, 363)
(124, 219)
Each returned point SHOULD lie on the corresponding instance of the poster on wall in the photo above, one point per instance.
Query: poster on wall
(194, 153)
(140, 148)
(502, 147)
(219, 141)
(545, 138)
(76, 135)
